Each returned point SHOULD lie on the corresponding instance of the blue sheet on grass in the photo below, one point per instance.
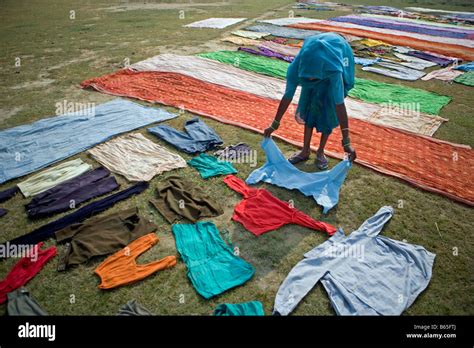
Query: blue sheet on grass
(27, 148)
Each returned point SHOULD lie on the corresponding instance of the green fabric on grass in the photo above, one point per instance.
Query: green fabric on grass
(366, 90)
(212, 265)
(209, 166)
(383, 93)
(246, 61)
(466, 78)
(254, 308)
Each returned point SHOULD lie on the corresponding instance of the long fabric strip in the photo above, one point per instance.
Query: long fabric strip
(215, 23)
(418, 21)
(395, 70)
(240, 40)
(433, 165)
(367, 90)
(263, 51)
(394, 37)
(249, 34)
(47, 231)
(275, 30)
(231, 77)
(25, 149)
(435, 10)
(287, 20)
(413, 28)
(286, 50)
(429, 38)
(430, 57)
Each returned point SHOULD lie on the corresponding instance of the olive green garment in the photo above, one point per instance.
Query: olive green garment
(177, 198)
(21, 303)
(253, 308)
(101, 236)
(133, 308)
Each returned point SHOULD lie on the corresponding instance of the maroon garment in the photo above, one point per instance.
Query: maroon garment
(25, 269)
(261, 212)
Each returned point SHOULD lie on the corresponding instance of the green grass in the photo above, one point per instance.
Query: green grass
(57, 53)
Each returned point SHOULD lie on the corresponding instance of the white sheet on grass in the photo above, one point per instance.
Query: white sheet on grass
(249, 34)
(216, 23)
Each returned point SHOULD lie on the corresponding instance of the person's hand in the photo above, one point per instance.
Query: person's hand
(268, 131)
(350, 152)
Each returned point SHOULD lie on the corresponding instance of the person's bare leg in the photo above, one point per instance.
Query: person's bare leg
(303, 155)
(308, 134)
(322, 145)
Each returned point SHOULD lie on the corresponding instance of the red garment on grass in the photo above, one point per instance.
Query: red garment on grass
(261, 212)
(25, 269)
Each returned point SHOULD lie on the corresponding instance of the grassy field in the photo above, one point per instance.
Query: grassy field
(57, 53)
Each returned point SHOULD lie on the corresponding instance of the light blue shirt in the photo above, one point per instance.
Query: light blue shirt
(322, 186)
(363, 273)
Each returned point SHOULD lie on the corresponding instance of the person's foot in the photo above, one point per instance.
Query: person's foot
(321, 161)
(299, 157)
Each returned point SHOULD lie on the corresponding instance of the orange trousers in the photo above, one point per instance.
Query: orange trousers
(121, 268)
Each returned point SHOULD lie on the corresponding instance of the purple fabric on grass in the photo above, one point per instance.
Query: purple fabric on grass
(58, 199)
(426, 56)
(262, 51)
(8, 193)
(408, 27)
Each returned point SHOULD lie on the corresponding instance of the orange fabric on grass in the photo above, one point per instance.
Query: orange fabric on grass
(431, 164)
(121, 268)
(443, 48)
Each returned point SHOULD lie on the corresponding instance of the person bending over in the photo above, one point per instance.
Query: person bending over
(324, 68)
